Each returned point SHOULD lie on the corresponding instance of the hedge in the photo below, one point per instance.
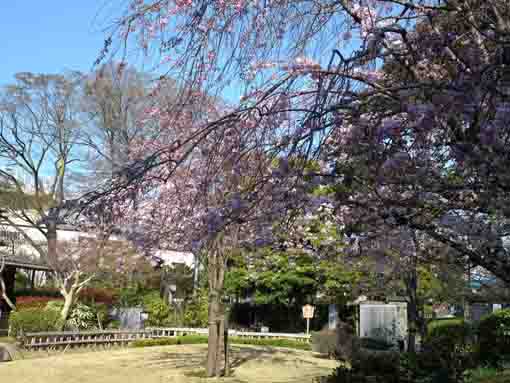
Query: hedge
(437, 326)
(446, 336)
(33, 320)
(494, 337)
(187, 339)
(201, 339)
(449, 349)
(28, 302)
(287, 343)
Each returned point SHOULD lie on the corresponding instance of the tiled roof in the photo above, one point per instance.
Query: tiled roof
(25, 262)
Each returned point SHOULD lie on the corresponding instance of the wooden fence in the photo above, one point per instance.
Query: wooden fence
(66, 339)
(70, 339)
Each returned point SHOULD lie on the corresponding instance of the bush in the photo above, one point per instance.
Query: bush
(415, 368)
(377, 363)
(26, 302)
(442, 325)
(81, 317)
(287, 343)
(446, 336)
(196, 313)
(101, 312)
(92, 295)
(131, 296)
(449, 348)
(494, 338)
(159, 311)
(113, 325)
(375, 344)
(324, 342)
(187, 339)
(343, 374)
(33, 320)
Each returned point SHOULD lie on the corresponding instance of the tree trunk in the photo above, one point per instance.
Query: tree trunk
(216, 273)
(225, 345)
(51, 236)
(413, 315)
(68, 304)
(7, 280)
(412, 319)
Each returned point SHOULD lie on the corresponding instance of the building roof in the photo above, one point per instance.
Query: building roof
(24, 262)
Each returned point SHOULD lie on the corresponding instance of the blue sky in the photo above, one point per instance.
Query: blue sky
(48, 36)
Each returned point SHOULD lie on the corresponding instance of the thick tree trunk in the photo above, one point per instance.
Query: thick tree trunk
(214, 336)
(413, 325)
(216, 273)
(51, 236)
(413, 315)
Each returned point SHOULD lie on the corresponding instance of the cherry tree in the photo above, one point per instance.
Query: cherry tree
(403, 103)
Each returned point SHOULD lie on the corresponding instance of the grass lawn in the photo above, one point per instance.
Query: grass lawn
(179, 364)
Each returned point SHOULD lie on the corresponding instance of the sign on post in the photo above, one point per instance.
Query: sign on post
(308, 311)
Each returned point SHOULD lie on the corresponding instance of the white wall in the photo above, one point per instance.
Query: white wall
(23, 247)
(387, 321)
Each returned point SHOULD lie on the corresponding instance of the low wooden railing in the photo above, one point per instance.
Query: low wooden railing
(66, 339)
(44, 340)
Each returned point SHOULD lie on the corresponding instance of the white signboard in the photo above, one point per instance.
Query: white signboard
(308, 311)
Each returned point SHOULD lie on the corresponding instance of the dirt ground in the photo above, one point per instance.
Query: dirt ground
(179, 364)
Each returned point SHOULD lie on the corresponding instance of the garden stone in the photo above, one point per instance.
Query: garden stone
(9, 352)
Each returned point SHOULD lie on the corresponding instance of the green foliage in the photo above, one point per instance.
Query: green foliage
(285, 278)
(429, 285)
(288, 278)
(201, 339)
(279, 318)
(114, 324)
(196, 313)
(101, 313)
(375, 344)
(81, 317)
(287, 343)
(21, 279)
(494, 338)
(449, 333)
(414, 368)
(33, 320)
(187, 339)
(345, 374)
(132, 296)
(14, 199)
(449, 348)
(384, 364)
(158, 310)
